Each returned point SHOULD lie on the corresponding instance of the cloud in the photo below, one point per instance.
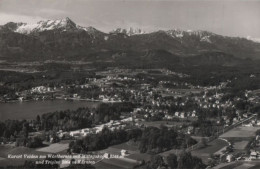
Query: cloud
(5, 17)
(48, 11)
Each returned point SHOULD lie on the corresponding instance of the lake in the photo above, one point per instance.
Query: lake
(30, 109)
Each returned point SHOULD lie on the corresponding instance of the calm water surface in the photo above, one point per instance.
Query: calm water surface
(29, 110)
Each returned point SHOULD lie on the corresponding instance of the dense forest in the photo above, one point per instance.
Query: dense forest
(155, 140)
(83, 117)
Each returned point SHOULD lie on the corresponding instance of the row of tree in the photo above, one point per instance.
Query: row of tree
(184, 161)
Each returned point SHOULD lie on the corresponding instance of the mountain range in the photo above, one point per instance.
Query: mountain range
(65, 40)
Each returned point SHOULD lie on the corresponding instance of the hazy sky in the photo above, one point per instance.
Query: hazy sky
(227, 17)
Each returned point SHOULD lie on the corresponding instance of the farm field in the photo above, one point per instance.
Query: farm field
(131, 159)
(102, 165)
(54, 148)
(240, 165)
(219, 152)
(133, 151)
(126, 146)
(241, 132)
(213, 147)
(245, 166)
(6, 149)
(140, 156)
(257, 166)
(240, 145)
(231, 165)
(122, 163)
(172, 151)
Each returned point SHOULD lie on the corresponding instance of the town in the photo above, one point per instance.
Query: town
(132, 101)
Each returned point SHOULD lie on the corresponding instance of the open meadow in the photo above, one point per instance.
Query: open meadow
(211, 148)
(240, 132)
(132, 158)
(54, 148)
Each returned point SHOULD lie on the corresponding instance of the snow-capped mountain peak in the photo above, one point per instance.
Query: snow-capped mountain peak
(253, 39)
(65, 24)
(61, 24)
(175, 33)
(129, 31)
(204, 36)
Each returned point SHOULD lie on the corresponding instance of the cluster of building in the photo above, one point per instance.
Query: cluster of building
(112, 125)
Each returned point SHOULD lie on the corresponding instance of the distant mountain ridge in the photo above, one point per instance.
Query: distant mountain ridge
(130, 31)
(64, 39)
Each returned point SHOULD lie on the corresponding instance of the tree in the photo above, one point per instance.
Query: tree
(25, 130)
(197, 163)
(172, 161)
(106, 119)
(38, 119)
(6, 134)
(185, 161)
(156, 161)
(203, 143)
